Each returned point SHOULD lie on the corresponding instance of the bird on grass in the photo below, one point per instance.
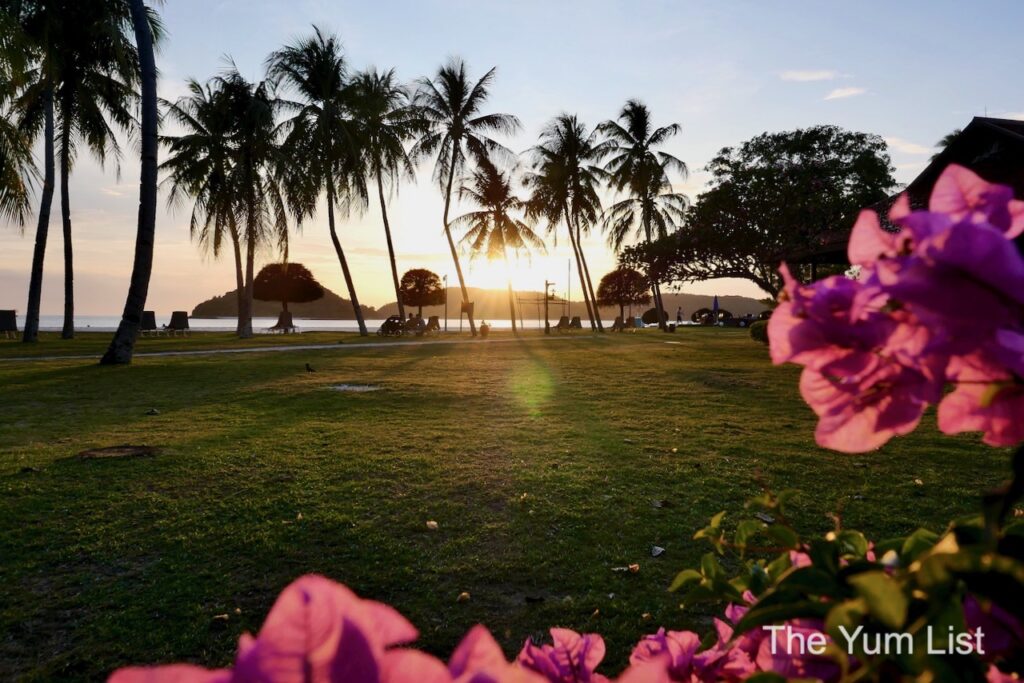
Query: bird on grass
(309, 368)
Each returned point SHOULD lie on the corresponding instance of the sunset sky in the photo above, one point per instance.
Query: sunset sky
(726, 71)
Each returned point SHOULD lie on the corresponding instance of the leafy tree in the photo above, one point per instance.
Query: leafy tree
(123, 343)
(774, 195)
(624, 287)
(322, 139)
(287, 283)
(564, 188)
(449, 105)
(494, 230)
(421, 287)
(651, 209)
(385, 120)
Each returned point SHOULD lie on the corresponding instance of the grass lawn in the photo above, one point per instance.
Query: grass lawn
(539, 461)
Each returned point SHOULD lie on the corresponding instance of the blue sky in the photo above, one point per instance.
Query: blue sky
(909, 71)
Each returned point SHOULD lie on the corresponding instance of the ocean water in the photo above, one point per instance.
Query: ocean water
(108, 323)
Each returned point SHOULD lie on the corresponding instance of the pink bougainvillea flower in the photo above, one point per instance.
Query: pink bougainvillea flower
(870, 242)
(411, 666)
(1004, 632)
(987, 399)
(964, 195)
(674, 649)
(571, 659)
(479, 659)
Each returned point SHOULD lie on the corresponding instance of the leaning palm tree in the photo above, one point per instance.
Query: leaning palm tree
(385, 121)
(199, 167)
(123, 343)
(564, 188)
(455, 129)
(17, 171)
(493, 230)
(321, 137)
(255, 175)
(650, 209)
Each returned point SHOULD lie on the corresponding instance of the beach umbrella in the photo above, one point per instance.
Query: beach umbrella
(714, 309)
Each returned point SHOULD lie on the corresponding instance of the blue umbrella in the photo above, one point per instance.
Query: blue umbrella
(714, 309)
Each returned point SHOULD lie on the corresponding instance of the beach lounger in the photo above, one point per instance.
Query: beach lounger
(576, 324)
(8, 324)
(563, 324)
(148, 325)
(178, 324)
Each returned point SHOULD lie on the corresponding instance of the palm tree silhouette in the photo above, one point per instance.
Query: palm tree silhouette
(651, 209)
(321, 137)
(199, 166)
(563, 184)
(449, 105)
(385, 121)
(493, 230)
(17, 170)
(123, 344)
(946, 141)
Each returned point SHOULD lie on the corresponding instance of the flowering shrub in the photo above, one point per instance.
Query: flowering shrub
(941, 302)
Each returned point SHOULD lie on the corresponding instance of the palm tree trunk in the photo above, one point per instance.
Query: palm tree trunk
(579, 269)
(590, 283)
(239, 278)
(123, 343)
(65, 215)
(250, 264)
(659, 307)
(511, 296)
(344, 262)
(391, 248)
(451, 243)
(35, 286)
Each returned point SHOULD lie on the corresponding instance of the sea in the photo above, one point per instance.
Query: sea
(108, 323)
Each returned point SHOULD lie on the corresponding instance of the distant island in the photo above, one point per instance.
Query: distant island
(489, 303)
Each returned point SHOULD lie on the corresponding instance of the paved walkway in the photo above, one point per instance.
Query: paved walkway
(306, 347)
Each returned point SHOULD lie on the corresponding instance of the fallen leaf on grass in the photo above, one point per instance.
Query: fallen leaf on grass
(657, 550)
(432, 525)
(463, 597)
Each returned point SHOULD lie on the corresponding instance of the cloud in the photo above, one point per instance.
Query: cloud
(906, 146)
(842, 93)
(809, 75)
(1017, 115)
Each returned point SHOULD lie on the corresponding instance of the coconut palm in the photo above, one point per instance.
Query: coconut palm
(321, 137)
(494, 230)
(123, 343)
(636, 169)
(255, 175)
(455, 129)
(199, 167)
(946, 141)
(17, 171)
(564, 184)
(385, 121)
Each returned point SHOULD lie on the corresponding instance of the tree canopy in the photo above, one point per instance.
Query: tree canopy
(624, 287)
(287, 283)
(769, 198)
(421, 287)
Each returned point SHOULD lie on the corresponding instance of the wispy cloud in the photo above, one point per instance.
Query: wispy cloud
(809, 75)
(842, 93)
(906, 146)
(1018, 115)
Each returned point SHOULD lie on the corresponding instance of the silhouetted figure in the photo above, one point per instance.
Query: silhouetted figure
(309, 368)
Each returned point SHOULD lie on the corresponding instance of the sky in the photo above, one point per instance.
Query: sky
(725, 71)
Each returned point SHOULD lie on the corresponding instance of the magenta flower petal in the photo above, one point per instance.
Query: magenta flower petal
(172, 673)
(410, 666)
(572, 658)
(478, 652)
(868, 241)
(963, 194)
(673, 649)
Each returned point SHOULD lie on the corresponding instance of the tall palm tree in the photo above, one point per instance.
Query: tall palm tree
(385, 121)
(256, 175)
(123, 343)
(494, 230)
(200, 166)
(321, 136)
(946, 141)
(564, 188)
(455, 129)
(17, 171)
(636, 169)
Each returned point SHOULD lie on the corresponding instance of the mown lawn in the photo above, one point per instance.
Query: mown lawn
(539, 461)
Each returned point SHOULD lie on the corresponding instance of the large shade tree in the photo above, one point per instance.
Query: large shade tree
(322, 138)
(287, 283)
(123, 344)
(640, 174)
(774, 197)
(385, 121)
(496, 228)
(421, 287)
(624, 287)
(563, 185)
(450, 107)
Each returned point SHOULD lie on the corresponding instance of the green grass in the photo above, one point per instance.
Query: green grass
(539, 461)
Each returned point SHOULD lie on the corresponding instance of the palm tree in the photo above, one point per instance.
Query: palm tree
(564, 184)
(256, 175)
(635, 168)
(123, 343)
(946, 141)
(17, 171)
(199, 166)
(493, 230)
(321, 138)
(449, 105)
(384, 121)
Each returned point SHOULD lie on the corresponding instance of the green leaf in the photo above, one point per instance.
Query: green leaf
(852, 543)
(916, 543)
(710, 567)
(684, 578)
(847, 614)
(761, 614)
(785, 536)
(809, 581)
(745, 530)
(884, 597)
